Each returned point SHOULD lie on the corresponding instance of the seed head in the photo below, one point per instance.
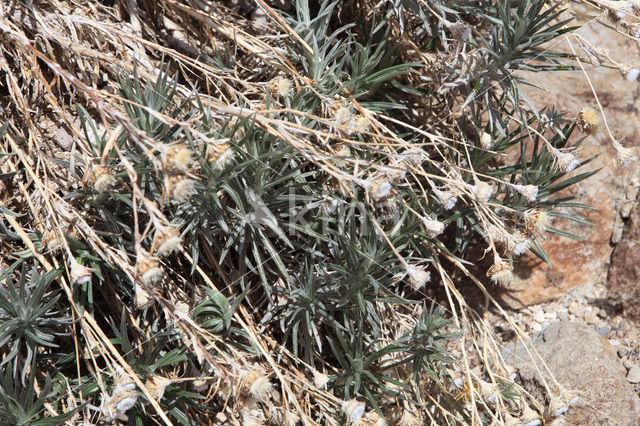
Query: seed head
(178, 157)
(433, 227)
(529, 191)
(257, 384)
(373, 419)
(102, 178)
(409, 419)
(281, 87)
(632, 74)
(501, 272)
(482, 191)
(80, 274)
(418, 277)
(157, 386)
(535, 219)
(625, 156)
(148, 269)
(180, 188)
(379, 188)
(447, 198)
(565, 161)
(589, 121)
(220, 153)
(517, 243)
(358, 124)
(141, 298)
(166, 240)
(486, 141)
(320, 380)
(353, 409)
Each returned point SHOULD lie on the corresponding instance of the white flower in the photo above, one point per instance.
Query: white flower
(261, 388)
(433, 227)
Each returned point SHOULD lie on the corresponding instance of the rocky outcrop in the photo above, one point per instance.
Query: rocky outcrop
(623, 285)
(583, 364)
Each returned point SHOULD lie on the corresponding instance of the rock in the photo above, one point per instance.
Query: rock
(584, 362)
(628, 364)
(624, 272)
(576, 309)
(535, 327)
(622, 352)
(633, 376)
(538, 316)
(590, 317)
(563, 316)
(602, 331)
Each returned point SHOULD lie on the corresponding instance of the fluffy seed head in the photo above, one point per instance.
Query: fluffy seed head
(358, 124)
(418, 277)
(632, 74)
(220, 153)
(409, 419)
(433, 227)
(256, 383)
(589, 121)
(141, 298)
(320, 380)
(353, 409)
(529, 191)
(565, 161)
(148, 269)
(166, 240)
(447, 198)
(102, 178)
(281, 87)
(482, 191)
(501, 272)
(80, 274)
(178, 157)
(625, 156)
(535, 219)
(379, 188)
(157, 386)
(180, 188)
(517, 243)
(486, 141)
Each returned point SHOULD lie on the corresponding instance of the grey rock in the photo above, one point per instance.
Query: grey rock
(633, 376)
(583, 362)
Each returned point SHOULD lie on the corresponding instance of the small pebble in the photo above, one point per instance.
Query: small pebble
(628, 364)
(575, 308)
(633, 376)
(551, 315)
(536, 326)
(563, 316)
(602, 331)
(622, 352)
(614, 342)
(538, 316)
(591, 317)
(602, 313)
